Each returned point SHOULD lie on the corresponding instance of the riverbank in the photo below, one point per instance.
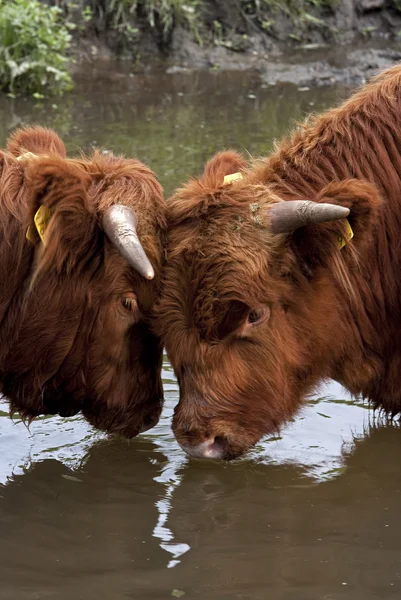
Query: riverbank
(308, 43)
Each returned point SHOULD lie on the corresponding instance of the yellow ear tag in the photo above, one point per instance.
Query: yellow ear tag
(231, 178)
(349, 234)
(41, 220)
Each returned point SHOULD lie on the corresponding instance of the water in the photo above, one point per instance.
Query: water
(313, 514)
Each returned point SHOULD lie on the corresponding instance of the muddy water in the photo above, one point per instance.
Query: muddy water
(313, 514)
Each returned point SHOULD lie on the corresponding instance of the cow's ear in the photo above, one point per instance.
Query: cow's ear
(66, 231)
(316, 243)
(220, 165)
(35, 140)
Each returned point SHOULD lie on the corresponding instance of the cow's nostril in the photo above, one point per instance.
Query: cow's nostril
(215, 447)
(219, 446)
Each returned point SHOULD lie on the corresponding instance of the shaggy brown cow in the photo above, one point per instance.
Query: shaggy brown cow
(264, 297)
(76, 296)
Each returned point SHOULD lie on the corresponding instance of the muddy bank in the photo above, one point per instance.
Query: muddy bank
(305, 42)
(344, 66)
(347, 65)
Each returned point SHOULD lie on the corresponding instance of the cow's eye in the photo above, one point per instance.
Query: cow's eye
(129, 303)
(257, 315)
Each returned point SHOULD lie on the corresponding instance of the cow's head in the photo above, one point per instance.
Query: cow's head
(251, 307)
(82, 338)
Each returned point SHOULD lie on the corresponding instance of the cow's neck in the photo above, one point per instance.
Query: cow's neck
(368, 339)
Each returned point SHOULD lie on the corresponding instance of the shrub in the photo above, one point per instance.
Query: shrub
(160, 15)
(33, 43)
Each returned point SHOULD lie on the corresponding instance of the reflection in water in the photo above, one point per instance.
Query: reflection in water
(161, 530)
(170, 473)
(66, 440)
(313, 513)
(317, 445)
(324, 432)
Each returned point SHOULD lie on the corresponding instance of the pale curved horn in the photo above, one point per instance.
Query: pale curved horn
(119, 224)
(286, 216)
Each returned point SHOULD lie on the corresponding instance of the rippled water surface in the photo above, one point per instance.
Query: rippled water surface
(314, 514)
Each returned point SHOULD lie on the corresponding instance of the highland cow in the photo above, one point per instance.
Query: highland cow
(80, 258)
(285, 272)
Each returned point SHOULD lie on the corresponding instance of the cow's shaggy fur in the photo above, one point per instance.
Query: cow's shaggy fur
(74, 317)
(333, 313)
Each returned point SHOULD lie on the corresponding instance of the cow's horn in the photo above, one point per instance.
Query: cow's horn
(119, 224)
(289, 215)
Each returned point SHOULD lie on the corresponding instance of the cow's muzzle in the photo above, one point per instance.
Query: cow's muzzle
(217, 448)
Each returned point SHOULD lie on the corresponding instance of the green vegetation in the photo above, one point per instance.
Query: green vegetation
(261, 15)
(168, 13)
(35, 38)
(125, 16)
(128, 19)
(33, 43)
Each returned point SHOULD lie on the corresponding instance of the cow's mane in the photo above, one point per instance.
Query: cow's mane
(357, 139)
(357, 114)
